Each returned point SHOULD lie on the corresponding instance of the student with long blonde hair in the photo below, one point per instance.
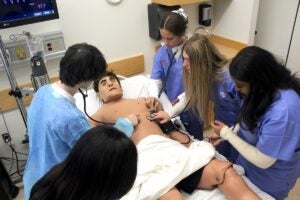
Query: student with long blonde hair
(208, 86)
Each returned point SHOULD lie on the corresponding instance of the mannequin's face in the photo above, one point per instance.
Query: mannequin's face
(170, 39)
(109, 89)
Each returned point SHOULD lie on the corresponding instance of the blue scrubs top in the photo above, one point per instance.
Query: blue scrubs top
(161, 63)
(227, 103)
(278, 136)
(54, 125)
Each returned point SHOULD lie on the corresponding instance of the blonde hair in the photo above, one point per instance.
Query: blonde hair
(206, 63)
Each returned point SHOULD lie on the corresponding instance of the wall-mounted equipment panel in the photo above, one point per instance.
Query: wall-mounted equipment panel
(18, 50)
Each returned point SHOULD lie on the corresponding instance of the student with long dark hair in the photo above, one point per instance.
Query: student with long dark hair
(101, 165)
(268, 141)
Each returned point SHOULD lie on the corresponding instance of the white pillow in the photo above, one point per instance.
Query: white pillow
(133, 87)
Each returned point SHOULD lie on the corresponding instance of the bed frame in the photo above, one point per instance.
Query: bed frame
(126, 67)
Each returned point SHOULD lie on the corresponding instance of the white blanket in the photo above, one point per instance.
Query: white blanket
(163, 162)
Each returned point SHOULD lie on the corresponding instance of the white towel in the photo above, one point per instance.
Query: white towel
(163, 162)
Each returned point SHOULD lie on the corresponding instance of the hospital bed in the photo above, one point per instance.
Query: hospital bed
(142, 86)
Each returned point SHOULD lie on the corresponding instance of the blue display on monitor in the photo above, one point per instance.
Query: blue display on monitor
(21, 12)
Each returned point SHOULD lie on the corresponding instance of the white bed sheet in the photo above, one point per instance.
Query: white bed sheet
(216, 194)
(141, 86)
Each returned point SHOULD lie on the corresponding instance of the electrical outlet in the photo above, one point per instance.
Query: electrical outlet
(21, 53)
(6, 137)
(53, 45)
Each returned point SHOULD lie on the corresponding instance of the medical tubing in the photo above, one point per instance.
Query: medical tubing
(164, 83)
(186, 134)
(16, 155)
(84, 108)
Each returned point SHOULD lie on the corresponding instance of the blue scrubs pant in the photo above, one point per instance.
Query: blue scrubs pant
(192, 124)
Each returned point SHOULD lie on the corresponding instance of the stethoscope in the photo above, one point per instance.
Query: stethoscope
(164, 83)
(84, 96)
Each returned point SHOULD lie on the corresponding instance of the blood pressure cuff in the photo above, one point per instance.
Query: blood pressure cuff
(168, 127)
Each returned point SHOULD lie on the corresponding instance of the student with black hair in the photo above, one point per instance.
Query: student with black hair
(268, 141)
(54, 121)
(101, 165)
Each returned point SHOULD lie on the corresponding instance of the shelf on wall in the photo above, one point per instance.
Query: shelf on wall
(177, 2)
(229, 48)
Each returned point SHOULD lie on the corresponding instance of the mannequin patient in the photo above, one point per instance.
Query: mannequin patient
(213, 173)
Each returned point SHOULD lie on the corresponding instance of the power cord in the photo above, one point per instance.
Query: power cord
(14, 154)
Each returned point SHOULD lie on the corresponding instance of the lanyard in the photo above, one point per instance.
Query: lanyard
(168, 72)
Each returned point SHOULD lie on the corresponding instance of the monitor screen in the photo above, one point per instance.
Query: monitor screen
(21, 12)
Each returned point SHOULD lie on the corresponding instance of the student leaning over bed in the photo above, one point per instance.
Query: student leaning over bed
(54, 121)
(268, 140)
(167, 66)
(206, 79)
(163, 162)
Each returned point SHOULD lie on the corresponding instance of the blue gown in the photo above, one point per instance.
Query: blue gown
(278, 136)
(54, 125)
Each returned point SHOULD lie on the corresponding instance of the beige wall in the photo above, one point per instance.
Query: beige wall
(235, 19)
(274, 28)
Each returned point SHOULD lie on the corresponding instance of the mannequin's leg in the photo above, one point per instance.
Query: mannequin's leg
(213, 174)
(220, 173)
(172, 194)
(234, 187)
